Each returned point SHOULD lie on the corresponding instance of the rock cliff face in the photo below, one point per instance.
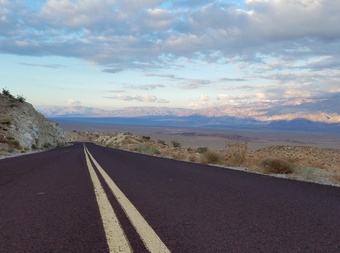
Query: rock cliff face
(23, 128)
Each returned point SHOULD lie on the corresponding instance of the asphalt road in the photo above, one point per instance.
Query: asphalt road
(95, 199)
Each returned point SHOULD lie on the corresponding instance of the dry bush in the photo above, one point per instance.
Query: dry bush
(192, 158)
(236, 153)
(4, 153)
(167, 153)
(203, 160)
(202, 150)
(179, 155)
(182, 155)
(162, 142)
(277, 166)
(212, 157)
(5, 121)
(176, 144)
(13, 144)
(148, 149)
(47, 145)
(128, 141)
(25, 148)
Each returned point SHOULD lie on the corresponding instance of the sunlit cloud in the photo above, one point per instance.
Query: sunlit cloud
(71, 102)
(138, 98)
(144, 86)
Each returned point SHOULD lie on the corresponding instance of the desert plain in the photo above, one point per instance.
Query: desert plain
(217, 138)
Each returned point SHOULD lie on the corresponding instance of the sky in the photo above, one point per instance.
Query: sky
(189, 54)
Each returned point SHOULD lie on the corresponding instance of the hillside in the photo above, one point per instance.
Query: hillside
(23, 129)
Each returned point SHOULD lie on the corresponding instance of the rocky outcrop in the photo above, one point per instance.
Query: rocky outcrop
(23, 128)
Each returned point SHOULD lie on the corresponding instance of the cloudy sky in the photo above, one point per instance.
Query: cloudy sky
(192, 54)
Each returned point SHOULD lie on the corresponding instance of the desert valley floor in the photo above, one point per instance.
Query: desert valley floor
(217, 138)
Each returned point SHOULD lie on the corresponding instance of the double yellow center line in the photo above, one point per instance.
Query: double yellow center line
(116, 238)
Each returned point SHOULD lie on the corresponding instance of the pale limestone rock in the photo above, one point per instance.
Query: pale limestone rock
(30, 128)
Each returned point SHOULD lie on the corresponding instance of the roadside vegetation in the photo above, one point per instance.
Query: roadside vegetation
(277, 166)
(295, 162)
(7, 93)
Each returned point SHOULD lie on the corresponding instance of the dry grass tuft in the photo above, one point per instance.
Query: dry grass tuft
(148, 149)
(203, 161)
(212, 157)
(277, 166)
(236, 153)
(192, 158)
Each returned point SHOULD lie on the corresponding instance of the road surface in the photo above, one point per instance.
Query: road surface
(86, 198)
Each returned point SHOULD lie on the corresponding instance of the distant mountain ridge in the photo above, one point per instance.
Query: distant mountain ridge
(318, 110)
(302, 114)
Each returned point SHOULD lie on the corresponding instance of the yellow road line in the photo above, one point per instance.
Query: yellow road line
(115, 236)
(149, 237)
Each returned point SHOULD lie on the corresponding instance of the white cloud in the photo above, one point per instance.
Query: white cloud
(71, 102)
(236, 99)
(291, 19)
(145, 86)
(202, 101)
(266, 38)
(139, 98)
(104, 31)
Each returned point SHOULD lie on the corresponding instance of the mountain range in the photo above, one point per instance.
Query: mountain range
(302, 113)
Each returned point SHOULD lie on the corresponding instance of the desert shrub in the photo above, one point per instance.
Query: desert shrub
(13, 144)
(128, 141)
(10, 150)
(236, 153)
(161, 142)
(176, 144)
(47, 145)
(147, 149)
(21, 98)
(5, 121)
(178, 155)
(203, 160)
(277, 166)
(192, 158)
(202, 150)
(7, 93)
(146, 138)
(212, 157)
(60, 144)
(34, 147)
